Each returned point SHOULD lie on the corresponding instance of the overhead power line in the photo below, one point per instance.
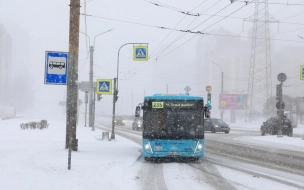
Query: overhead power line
(136, 23)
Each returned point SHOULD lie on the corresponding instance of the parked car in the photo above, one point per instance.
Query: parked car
(137, 123)
(119, 120)
(271, 126)
(216, 125)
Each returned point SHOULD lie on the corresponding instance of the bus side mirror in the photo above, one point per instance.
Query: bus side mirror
(137, 111)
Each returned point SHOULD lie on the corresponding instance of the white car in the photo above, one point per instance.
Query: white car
(137, 123)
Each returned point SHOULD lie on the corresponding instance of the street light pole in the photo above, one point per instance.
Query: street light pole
(222, 85)
(91, 87)
(116, 88)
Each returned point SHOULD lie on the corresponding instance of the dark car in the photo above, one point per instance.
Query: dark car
(119, 120)
(137, 123)
(216, 125)
(271, 126)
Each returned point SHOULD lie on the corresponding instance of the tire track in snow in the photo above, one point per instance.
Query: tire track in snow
(151, 175)
(213, 176)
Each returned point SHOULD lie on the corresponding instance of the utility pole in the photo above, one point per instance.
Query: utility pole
(167, 89)
(86, 105)
(222, 86)
(222, 91)
(114, 101)
(93, 116)
(259, 83)
(72, 76)
(91, 83)
(91, 88)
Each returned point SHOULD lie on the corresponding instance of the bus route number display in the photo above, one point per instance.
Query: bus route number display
(157, 104)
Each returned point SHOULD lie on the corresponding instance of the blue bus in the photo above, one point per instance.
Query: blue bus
(173, 126)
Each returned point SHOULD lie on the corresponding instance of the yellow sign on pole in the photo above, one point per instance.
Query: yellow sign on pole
(302, 72)
(104, 86)
(140, 53)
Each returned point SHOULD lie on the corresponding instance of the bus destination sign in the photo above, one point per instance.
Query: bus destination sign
(174, 104)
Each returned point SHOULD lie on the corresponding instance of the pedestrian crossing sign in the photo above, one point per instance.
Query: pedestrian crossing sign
(140, 53)
(104, 86)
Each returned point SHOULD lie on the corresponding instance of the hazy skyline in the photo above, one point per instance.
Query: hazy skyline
(39, 26)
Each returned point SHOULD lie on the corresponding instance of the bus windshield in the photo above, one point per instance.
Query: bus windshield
(173, 124)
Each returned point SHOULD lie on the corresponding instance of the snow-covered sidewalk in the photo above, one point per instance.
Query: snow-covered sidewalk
(36, 159)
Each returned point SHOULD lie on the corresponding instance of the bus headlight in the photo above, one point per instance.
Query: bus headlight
(148, 147)
(199, 147)
(216, 126)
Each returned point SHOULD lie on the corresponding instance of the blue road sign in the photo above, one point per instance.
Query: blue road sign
(302, 73)
(56, 67)
(104, 86)
(209, 106)
(140, 53)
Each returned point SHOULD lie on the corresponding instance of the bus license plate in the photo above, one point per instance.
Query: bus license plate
(158, 148)
(173, 153)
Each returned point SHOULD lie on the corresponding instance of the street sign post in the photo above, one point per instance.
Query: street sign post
(208, 88)
(187, 89)
(56, 67)
(85, 86)
(282, 77)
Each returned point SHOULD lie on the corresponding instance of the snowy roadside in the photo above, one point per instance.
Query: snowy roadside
(36, 159)
(274, 141)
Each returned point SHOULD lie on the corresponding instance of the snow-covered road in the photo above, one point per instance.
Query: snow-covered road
(37, 159)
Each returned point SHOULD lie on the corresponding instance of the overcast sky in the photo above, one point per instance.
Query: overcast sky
(38, 26)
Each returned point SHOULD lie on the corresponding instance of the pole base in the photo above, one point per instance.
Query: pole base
(112, 135)
(280, 133)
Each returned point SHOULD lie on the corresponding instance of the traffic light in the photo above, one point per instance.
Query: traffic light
(279, 92)
(209, 98)
(208, 114)
(115, 95)
(99, 97)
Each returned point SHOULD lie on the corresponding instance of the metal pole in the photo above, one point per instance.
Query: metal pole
(280, 111)
(116, 87)
(118, 58)
(86, 103)
(222, 86)
(93, 119)
(167, 89)
(91, 88)
(113, 116)
(222, 90)
(73, 47)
